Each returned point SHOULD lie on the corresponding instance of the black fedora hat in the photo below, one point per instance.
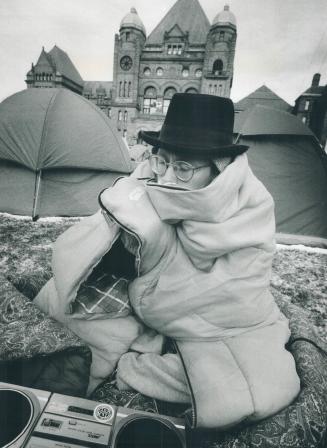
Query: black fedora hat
(197, 124)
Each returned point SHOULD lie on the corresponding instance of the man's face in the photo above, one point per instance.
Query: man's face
(202, 175)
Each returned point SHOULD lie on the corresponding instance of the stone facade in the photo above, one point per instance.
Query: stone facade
(311, 108)
(54, 69)
(184, 53)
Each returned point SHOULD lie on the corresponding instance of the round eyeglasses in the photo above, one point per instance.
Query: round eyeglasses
(184, 171)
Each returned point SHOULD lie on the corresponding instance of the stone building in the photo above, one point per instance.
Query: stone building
(311, 107)
(55, 69)
(184, 53)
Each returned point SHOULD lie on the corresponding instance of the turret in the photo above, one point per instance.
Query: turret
(128, 48)
(218, 64)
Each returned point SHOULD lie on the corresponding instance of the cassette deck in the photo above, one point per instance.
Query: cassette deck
(31, 418)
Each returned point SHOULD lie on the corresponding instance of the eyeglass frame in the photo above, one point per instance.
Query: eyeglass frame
(173, 164)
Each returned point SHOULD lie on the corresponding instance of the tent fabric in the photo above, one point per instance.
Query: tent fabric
(287, 158)
(57, 151)
(262, 120)
(296, 178)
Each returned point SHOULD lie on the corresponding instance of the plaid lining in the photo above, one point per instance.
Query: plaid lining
(103, 293)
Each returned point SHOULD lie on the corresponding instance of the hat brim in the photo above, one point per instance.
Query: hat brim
(152, 137)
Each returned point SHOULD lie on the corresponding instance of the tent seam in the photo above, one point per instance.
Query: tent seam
(114, 134)
(45, 127)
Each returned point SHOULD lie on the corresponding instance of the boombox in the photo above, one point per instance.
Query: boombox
(33, 418)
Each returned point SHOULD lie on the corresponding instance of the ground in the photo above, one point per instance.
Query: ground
(25, 246)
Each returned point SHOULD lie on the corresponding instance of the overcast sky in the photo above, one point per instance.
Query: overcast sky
(280, 43)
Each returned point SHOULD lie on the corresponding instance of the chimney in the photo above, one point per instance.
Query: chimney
(315, 80)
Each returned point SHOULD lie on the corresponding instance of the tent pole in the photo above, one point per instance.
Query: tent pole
(237, 138)
(36, 194)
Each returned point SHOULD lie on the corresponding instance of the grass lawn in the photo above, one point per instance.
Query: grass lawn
(25, 246)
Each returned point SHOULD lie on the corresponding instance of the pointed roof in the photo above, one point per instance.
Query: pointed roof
(64, 65)
(44, 61)
(189, 16)
(264, 96)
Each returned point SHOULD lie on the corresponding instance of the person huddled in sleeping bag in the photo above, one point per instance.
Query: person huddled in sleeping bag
(200, 229)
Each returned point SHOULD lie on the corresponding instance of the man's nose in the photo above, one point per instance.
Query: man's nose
(169, 175)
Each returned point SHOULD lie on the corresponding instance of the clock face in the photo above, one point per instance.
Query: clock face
(126, 62)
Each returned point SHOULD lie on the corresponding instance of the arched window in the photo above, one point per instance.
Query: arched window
(125, 89)
(220, 89)
(150, 100)
(125, 115)
(119, 115)
(129, 89)
(120, 88)
(191, 90)
(109, 112)
(168, 94)
(217, 67)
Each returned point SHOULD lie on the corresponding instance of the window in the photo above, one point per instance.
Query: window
(159, 71)
(119, 115)
(150, 101)
(125, 90)
(124, 132)
(198, 73)
(306, 105)
(100, 99)
(220, 89)
(175, 49)
(147, 71)
(221, 35)
(129, 89)
(304, 120)
(185, 72)
(128, 35)
(168, 94)
(125, 115)
(109, 112)
(217, 67)
(120, 88)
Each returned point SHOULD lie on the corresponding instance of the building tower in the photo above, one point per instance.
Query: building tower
(127, 53)
(218, 63)
(54, 69)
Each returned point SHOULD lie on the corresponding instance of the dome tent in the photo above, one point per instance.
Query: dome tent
(286, 156)
(57, 151)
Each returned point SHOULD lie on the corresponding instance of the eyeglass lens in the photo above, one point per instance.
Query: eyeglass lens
(183, 170)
